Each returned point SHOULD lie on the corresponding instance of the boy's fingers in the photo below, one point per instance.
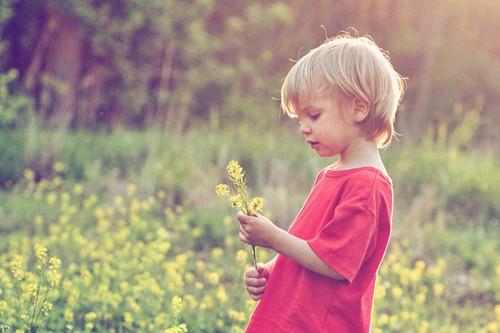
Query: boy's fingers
(252, 273)
(243, 238)
(256, 282)
(262, 269)
(241, 217)
(256, 297)
(256, 290)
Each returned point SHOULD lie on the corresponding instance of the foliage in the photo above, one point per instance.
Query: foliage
(131, 262)
(15, 107)
(177, 63)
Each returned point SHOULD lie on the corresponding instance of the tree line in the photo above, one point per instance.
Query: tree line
(138, 63)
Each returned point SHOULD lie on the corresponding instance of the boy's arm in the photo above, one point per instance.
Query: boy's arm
(262, 232)
(299, 250)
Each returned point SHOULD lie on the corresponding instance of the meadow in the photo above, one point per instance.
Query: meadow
(123, 232)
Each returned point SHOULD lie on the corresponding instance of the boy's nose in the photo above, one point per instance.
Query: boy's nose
(304, 129)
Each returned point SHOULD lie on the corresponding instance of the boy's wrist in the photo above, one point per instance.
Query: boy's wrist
(278, 238)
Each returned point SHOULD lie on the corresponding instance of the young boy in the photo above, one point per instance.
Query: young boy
(345, 94)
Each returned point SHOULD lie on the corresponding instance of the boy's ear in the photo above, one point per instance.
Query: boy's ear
(360, 109)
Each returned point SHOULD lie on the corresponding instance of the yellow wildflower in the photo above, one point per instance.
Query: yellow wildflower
(256, 204)
(236, 315)
(397, 292)
(241, 256)
(213, 278)
(131, 189)
(41, 253)
(235, 171)
(235, 200)
(58, 167)
(222, 190)
(438, 289)
(29, 174)
(176, 304)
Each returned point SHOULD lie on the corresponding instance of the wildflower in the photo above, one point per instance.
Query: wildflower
(420, 298)
(78, 189)
(15, 268)
(127, 317)
(235, 200)
(68, 315)
(41, 253)
(383, 319)
(3, 306)
(38, 220)
(397, 292)
(217, 252)
(213, 278)
(241, 256)
(29, 174)
(176, 304)
(58, 167)
(235, 171)
(222, 190)
(161, 194)
(256, 204)
(51, 198)
(181, 328)
(438, 289)
(236, 315)
(238, 195)
(131, 189)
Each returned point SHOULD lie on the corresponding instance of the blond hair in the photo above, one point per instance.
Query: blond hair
(355, 67)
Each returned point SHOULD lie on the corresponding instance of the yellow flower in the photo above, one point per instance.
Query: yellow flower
(181, 328)
(397, 292)
(29, 174)
(90, 316)
(131, 189)
(256, 204)
(118, 200)
(235, 200)
(492, 327)
(235, 171)
(68, 315)
(51, 198)
(221, 294)
(38, 220)
(241, 256)
(41, 253)
(127, 317)
(3, 306)
(438, 289)
(420, 298)
(222, 190)
(236, 315)
(217, 252)
(78, 189)
(383, 319)
(58, 167)
(213, 278)
(176, 304)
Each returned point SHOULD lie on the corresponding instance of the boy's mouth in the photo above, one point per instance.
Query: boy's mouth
(312, 143)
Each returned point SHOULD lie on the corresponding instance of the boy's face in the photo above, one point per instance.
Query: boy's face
(327, 124)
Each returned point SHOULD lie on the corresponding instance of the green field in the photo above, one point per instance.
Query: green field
(145, 246)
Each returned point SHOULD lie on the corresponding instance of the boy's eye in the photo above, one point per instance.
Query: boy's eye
(315, 116)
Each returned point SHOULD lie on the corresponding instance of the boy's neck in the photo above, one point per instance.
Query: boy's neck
(360, 153)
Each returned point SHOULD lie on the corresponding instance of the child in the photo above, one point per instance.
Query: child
(345, 94)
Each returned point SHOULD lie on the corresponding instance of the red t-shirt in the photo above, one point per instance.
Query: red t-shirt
(346, 221)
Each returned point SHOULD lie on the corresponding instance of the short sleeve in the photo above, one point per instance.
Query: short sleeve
(344, 240)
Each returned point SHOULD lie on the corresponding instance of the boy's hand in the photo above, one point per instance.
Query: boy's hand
(258, 230)
(256, 280)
